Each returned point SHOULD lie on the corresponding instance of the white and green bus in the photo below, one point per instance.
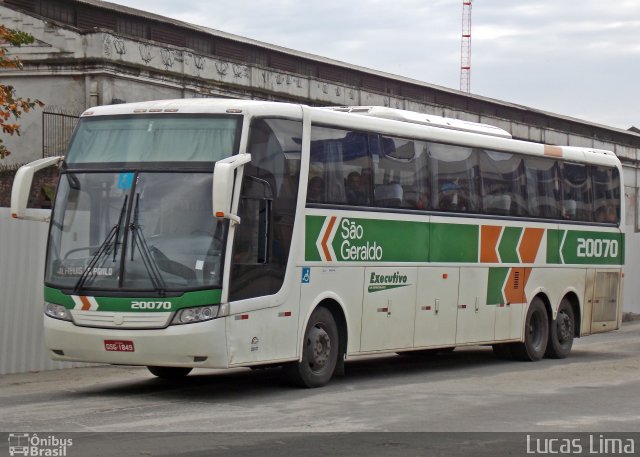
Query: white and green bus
(232, 233)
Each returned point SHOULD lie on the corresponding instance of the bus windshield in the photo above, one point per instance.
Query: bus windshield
(153, 138)
(133, 210)
(144, 231)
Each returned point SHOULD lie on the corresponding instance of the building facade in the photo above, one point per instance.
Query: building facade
(89, 52)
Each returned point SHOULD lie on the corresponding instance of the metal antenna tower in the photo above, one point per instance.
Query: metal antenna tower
(465, 48)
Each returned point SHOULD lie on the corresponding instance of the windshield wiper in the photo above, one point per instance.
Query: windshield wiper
(148, 259)
(103, 249)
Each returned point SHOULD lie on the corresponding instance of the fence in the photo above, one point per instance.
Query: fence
(57, 128)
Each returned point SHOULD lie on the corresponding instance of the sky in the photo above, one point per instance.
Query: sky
(574, 58)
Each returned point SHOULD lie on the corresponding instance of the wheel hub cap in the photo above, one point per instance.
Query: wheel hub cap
(318, 348)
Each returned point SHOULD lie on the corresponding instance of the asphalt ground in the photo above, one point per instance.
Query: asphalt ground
(468, 396)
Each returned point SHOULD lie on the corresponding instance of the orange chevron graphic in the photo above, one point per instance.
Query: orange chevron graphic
(514, 287)
(529, 244)
(489, 236)
(325, 238)
(86, 305)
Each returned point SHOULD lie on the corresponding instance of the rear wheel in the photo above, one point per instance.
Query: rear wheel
(536, 333)
(319, 353)
(562, 331)
(169, 372)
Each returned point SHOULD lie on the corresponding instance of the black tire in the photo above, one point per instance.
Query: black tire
(319, 351)
(562, 331)
(502, 351)
(536, 333)
(169, 372)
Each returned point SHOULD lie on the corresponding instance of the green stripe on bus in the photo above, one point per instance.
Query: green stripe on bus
(454, 243)
(585, 247)
(119, 304)
(313, 227)
(497, 277)
(381, 240)
(553, 245)
(508, 248)
(376, 240)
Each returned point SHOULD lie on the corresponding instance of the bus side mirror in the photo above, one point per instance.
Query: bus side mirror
(22, 187)
(223, 184)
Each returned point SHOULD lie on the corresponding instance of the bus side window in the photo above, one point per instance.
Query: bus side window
(455, 178)
(543, 187)
(503, 179)
(576, 192)
(606, 183)
(340, 167)
(396, 171)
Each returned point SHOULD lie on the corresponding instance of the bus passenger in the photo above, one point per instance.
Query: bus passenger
(315, 190)
(356, 194)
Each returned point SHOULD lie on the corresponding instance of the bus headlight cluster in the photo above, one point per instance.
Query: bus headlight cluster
(57, 311)
(196, 314)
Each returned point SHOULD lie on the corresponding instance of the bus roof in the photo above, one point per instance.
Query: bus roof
(424, 119)
(400, 122)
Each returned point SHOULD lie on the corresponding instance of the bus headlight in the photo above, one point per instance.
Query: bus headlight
(57, 311)
(196, 314)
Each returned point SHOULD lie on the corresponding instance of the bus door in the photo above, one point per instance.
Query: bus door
(262, 245)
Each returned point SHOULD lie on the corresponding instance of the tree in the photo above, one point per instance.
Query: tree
(11, 106)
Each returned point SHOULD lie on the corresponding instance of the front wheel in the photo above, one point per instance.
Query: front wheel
(169, 372)
(536, 333)
(562, 332)
(319, 352)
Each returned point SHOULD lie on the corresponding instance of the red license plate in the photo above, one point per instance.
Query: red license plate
(118, 346)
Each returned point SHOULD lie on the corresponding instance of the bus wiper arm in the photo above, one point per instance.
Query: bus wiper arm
(150, 264)
(103, 249)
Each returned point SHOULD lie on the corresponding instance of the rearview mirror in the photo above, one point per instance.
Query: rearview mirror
(22, 187)
(223, 184)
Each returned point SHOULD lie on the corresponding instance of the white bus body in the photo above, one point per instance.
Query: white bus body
(416, 233)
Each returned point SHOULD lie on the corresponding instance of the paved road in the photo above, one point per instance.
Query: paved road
(595, 390)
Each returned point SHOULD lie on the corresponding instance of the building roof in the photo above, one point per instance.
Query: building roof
(88, 15)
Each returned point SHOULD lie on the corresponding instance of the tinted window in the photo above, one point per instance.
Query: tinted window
(606, 190)
(395, 182)
(340, 167)
(543, 187)
(455, 176)
(503, 183)
(576, 192)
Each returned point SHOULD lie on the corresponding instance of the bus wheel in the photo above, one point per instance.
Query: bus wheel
(320, 351)
(169, 372)
(536, 333)
(562, 332)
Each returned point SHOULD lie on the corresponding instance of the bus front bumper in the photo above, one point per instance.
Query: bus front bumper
(202, 344)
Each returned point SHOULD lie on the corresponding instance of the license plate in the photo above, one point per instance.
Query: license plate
(118, 346)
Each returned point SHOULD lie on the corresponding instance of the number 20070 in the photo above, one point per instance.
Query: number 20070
(589, 247)
(150, 305)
